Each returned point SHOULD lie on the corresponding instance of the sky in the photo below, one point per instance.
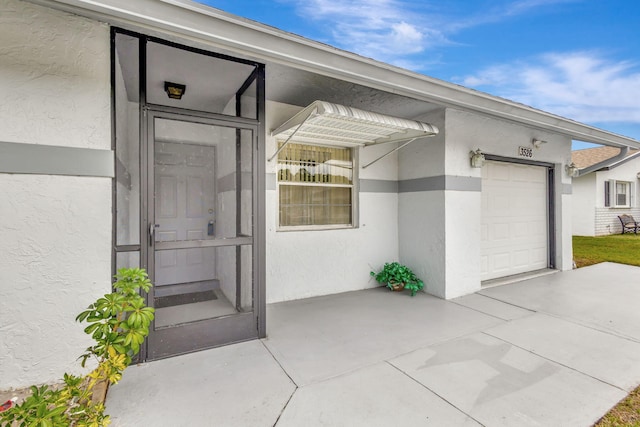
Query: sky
(579, 59)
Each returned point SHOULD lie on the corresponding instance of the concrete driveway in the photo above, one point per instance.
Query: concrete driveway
(557, 350)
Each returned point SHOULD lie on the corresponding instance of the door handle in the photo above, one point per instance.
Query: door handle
(152, 231)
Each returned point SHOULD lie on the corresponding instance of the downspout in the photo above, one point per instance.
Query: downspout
(623, 153)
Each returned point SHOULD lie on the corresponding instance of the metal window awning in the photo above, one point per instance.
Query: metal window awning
(325, 123)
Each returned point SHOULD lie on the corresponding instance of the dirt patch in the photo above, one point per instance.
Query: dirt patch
(20, 393)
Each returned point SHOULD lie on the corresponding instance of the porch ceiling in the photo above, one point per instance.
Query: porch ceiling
(284, 84)
(299, 87)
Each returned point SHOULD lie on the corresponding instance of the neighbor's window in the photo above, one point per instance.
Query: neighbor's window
(315, 186)
(617, 194)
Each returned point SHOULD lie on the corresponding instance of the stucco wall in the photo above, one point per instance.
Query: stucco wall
(56, 230)
(468, 131)
(303, 264)
(54, 76)
(422, 229)
(432, 239)
(583, 202)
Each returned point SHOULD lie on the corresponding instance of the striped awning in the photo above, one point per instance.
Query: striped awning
(326, 123)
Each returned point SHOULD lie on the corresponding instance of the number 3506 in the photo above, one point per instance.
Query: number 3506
(525, 152)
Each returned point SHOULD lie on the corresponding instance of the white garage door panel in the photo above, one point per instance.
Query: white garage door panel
(514, 219)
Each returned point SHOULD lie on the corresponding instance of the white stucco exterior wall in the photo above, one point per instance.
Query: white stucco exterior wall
(422, 237)
(54, 76)
(422, 227)
(440, 228)
(583, 201)
(56, 231)
(468, 131)
(303, 264)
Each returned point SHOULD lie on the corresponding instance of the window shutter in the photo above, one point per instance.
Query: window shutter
(607, 194)
(632, 195)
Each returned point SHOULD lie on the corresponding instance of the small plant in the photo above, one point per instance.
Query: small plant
(119, 323)
(67, 405)
(394, 273)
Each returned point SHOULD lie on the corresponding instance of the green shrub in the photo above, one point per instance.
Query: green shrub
(119, 323)
(395, 273)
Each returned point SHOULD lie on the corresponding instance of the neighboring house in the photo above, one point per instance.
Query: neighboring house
(245, 190)
(605, 189)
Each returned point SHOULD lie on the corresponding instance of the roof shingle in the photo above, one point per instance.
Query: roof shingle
(590, 156)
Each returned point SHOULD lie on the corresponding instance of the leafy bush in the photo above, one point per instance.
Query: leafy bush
(394, 273)
(119, 323)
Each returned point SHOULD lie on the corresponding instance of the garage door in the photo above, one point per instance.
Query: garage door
(514, 219)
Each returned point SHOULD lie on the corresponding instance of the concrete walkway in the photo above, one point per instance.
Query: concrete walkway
(558, 350)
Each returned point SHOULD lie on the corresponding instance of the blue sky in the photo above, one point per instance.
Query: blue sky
(576, 58)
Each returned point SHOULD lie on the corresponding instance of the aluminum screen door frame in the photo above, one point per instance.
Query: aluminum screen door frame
(213, 332)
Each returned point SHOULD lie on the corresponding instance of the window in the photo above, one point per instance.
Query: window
(315, 187)
(617, 194)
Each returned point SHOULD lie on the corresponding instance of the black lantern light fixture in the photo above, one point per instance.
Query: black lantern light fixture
(174, 90)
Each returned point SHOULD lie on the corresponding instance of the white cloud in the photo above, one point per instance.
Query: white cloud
(495, 11)
(383, 29)
(398, 31)
(584, 86)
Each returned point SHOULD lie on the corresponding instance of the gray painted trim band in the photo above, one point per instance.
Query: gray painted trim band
(228, 182)
(441, 183)
(567, 189)
(55, 160)
(378, 186)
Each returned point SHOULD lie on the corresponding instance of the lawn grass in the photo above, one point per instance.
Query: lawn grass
(623, 249)
(620, 248)
(626, 413)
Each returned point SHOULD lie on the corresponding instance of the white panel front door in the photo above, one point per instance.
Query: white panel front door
(185, 210)
(515, 222)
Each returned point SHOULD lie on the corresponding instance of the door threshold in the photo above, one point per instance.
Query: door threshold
(516, 278)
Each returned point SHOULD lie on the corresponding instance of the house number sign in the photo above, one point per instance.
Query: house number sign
(525, 152)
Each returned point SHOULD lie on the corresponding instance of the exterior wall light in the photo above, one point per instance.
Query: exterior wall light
(572, 170)
(537, 143)
(477, 159)
(174, 90)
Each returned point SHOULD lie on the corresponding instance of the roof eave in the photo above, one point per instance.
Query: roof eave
(620, 162)
(216, 28)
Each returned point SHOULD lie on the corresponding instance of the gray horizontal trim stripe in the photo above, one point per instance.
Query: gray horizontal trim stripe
(228, 182)
(55, 160)
(378, 186)
(567, 189)
(441, 183)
